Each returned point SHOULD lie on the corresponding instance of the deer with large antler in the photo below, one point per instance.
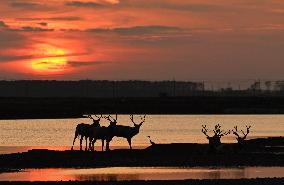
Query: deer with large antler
(83, 130)
(214, 140)
(239, 138)
(127, 132)
(102, 133)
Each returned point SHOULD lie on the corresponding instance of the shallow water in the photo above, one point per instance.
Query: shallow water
(138, 173)
(19, 135)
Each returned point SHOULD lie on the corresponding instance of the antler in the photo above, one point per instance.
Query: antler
(90, 116)
(143, 119)
(235, 132)
(99, 117)
(218, 132)
(245, 134)
(131, 118)
(204, 130)
(110, 118)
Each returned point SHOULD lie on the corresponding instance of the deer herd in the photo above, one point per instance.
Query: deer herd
(215, 140)
(95, 131)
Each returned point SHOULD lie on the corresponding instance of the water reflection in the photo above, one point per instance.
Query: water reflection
(137, 173)
(108, 177)
(161, 128)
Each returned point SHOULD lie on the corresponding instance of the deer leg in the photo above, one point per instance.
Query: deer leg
(129, 142)
(90, 143)
(76, 135)
(86, 138)
(107, 145)
(108, 140)
(93, 144)
(103, 144)
(81, 140)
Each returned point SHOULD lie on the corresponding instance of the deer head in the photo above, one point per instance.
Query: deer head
(95, 121)
(239, 138)
(214, 140)
(112, 121)
(218, 132)
(138, 125)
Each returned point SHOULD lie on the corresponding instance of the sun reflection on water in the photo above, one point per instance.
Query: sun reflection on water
(141, 173)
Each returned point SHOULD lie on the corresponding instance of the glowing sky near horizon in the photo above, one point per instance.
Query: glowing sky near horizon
(141, 39)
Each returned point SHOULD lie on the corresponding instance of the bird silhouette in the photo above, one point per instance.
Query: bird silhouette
(152, 142)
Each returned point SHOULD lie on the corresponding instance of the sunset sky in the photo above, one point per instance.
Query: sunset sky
(141, 39)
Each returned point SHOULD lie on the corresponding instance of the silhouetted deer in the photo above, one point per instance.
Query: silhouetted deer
(126, 132)
(99, 133)
(112, 121)
(83, 130)
(102, 133)
(239, 138)
(215, 140)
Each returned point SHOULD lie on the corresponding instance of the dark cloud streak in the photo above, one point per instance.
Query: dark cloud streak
(83, 4)
(3, 24)
(32, 29)
(64, 18)
(24, 5)
(84, 63)
(137, 30)
(10, 58)
(43, 23)
(179, 5)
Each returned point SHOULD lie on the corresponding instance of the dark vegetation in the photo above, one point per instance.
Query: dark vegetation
(26, 108)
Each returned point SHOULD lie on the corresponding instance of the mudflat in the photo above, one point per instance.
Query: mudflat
(255, 152)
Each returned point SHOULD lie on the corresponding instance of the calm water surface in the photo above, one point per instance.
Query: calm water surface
(17, 135)
(147, 173)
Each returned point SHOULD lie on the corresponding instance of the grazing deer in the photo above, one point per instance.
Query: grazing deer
(126, 132)
(239, 138)
(215, 140)
(83, 130)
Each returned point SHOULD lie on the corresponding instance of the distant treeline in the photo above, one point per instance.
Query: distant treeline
(24, 108)
(122, 89)
(100, 89)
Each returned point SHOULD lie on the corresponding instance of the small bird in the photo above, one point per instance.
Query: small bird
(152, 143)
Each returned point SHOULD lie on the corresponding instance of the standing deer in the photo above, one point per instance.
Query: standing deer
(215, 140)
(126, 132)
(83, 130)
(103, 133)
(239, 138)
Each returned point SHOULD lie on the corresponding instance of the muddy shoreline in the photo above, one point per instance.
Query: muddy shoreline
(257, 152)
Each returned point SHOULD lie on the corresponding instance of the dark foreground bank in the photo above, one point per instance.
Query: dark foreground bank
(27, 108)
(256, 152)
(266, 181)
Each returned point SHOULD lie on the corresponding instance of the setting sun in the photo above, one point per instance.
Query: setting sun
(53, 60)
